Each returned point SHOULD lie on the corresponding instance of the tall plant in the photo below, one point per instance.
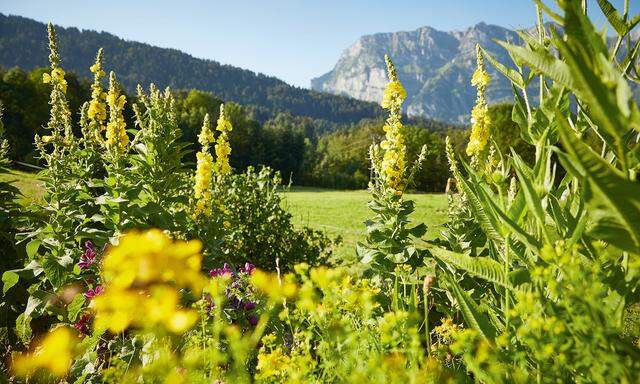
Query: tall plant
(556, 263)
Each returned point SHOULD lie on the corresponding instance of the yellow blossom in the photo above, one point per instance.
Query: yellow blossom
(394, 150)
(223, 148)
(204, 169)
(54, 354)
(142, 258)
(480, 120)
(141, 276)
(117, 138)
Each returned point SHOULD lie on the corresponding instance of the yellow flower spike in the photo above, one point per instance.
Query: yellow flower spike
(480, 120)
(46, 78)
(204, 171)
(117, 139)
(54, 353)
(222, 147)
(394, 150)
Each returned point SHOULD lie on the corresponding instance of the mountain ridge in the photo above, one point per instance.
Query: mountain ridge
(435, 67)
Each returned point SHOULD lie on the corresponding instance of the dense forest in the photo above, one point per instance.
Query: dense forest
(299, 147)
(136, 63)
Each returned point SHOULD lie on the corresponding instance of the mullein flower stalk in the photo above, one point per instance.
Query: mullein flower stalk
(222, 147)
(97, 108)
(393, 147)
(116, 136)
(204, 171)
(480, 120)
(60, 135)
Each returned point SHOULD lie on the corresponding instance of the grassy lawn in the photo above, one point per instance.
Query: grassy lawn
(28, 184)
(343, 213)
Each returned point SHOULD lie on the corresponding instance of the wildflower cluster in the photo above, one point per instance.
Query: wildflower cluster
(241, 305)
(223, 149)
(97, 110)
(203, 186)
(394, 150)
(480, 120)
(141, 275)
(116, 136)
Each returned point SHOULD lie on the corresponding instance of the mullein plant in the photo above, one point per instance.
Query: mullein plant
(555, 264)
(389, 235)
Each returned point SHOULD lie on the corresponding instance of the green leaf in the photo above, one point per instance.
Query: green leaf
(543, 62)
(9, 279)
(514, 76)
(472, 315)
(482, 267)
(489, 223)
(614, 17)
(32, 248)
(75, 307)
(533, 200)
(613, 201)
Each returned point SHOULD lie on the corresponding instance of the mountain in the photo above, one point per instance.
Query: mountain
(434, 66)
(23, 43)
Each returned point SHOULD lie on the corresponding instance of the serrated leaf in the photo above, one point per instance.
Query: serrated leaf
(482, 267)
(612, 199)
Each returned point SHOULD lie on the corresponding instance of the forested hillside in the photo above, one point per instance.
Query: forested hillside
(21, 45)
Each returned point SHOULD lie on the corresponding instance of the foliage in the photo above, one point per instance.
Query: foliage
(540, 258)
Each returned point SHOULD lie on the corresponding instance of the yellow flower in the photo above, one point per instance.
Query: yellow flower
(480, 120)
(222, 147)
(270, 285)
(393, 94)
(54, 354)
(142, 275)
(117, 138)
(142, 258)
(393, 159)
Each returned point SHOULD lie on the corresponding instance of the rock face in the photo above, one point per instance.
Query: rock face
(434, 66)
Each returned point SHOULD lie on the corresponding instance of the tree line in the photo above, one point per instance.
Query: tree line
(306, 151)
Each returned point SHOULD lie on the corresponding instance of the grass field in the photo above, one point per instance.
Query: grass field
(338, 213)
(27, 183)
(343, 213)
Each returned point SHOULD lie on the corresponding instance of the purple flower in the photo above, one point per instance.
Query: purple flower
(89, 256)
(253, 320)
(249, 305)
(225, 270)
(248, 268)
(93, 292)
(82, 325)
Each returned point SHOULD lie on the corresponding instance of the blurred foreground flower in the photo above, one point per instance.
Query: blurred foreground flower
(53, 354)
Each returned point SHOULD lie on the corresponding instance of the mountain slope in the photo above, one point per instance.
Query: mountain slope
(434, 66)
(23, 43)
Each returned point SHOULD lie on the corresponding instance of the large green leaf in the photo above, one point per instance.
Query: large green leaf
(543, 62)
(509, 73)
(482, 267)
(488, 222)
(614, 17)
(470, 311)
(613, 201)
(533, 200)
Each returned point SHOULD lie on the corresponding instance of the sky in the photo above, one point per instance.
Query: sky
(294, 40)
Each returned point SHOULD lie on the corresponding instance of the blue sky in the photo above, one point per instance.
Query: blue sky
(294, 40)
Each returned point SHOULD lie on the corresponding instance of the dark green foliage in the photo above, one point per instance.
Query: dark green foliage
(257, 229)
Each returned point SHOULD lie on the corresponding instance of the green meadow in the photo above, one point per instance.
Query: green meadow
(342, 213)
(336, 212)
